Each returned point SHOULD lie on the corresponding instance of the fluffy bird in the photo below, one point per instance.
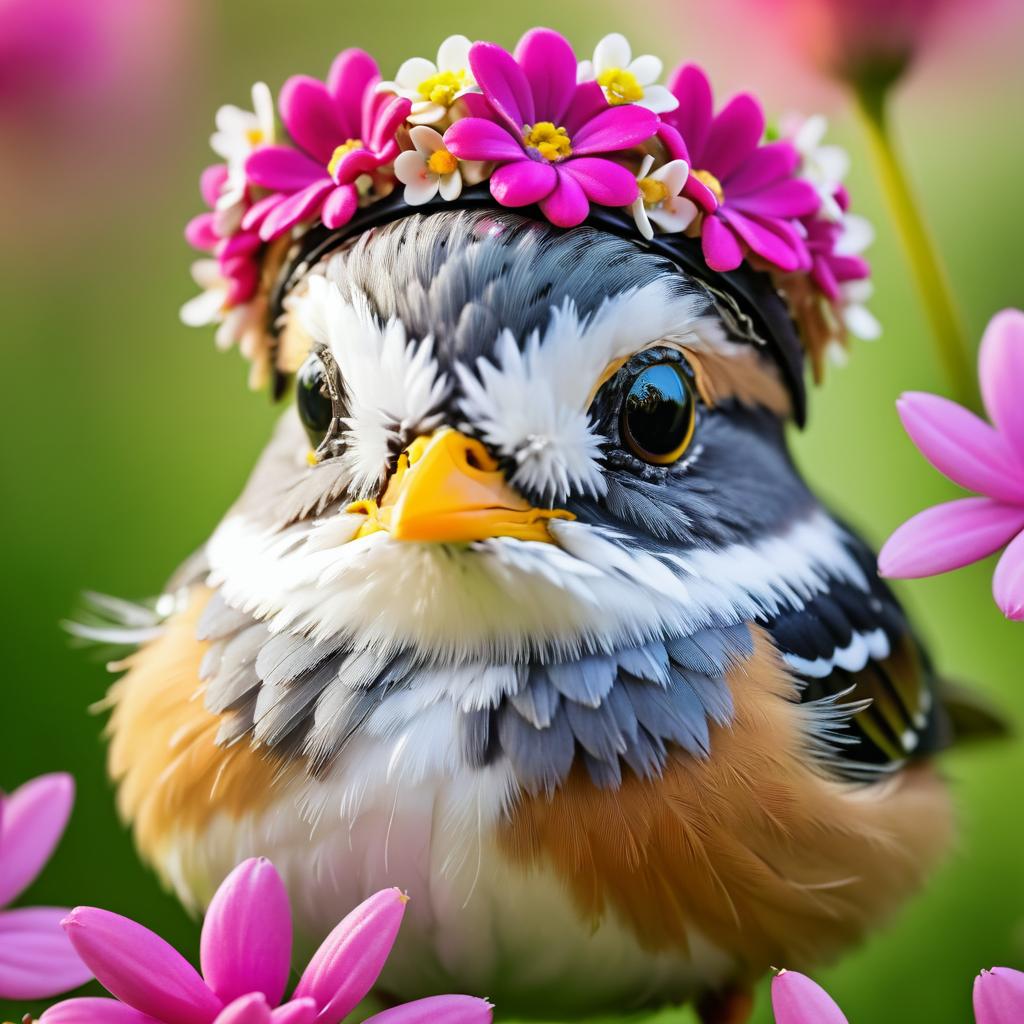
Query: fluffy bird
(526, 609)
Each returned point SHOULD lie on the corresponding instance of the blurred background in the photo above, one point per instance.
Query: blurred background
(126, 435)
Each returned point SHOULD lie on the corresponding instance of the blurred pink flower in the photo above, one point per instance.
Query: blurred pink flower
(342, 129)
(36, 959)
(546, 132)
(988, 459)
(798, 1000)
(245, 955)
(999, 996)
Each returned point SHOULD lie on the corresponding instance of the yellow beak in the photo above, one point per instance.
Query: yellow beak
(447, 488)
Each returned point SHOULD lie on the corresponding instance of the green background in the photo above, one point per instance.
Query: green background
(126, 436)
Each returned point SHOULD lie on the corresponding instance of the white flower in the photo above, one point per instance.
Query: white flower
(238, 133)
(242, 324)
(428, 169)
(856, 235)
(824, 166)
(434, 87)
(625, 80)
(659, 198)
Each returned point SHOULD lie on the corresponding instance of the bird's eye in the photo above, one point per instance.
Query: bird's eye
(313, 400)
(659, 413)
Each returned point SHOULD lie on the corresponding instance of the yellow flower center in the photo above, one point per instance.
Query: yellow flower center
(712, 183)
(620, 86)
(653, 191)
(550, 142)
(341, 152)
(254, 136)
(442, 162)
(443, 87)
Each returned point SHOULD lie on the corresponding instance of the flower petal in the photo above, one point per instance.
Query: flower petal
(453, 54)
(283, 169)
(767, 243)
(692, 118)
(722, 250)
(352, 74)
(658, 99)
(523, 183)
(567, 204)
(247, 1009)
(36, 959)
(310, 114)
(587, 102)
(948, 537)
(340, 206)
(602, 181)
(295, 208)
(647, 70)
(735, 133)
(962, 446)
(793, 198)
(613, 52)
(257, 213)
(773, 162)
(211, 182)
(201, 233)
(475, 138)
(246, 943)
(450, 1009)
(94, 1011)
(1001, 374)
(615, 129)
(999, 996)
(798, 1000)
(138, 967)
(413, 71)
(297, 1011)
(504, 84)
(549, 65)
(347, 964)
(1008, 581)
(34, 818)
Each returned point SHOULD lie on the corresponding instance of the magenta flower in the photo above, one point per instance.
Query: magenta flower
(343, 129)
(798, 1000)
(999, 996)
(36, 959)
(546, 132)
(760, 198)
(245, 955)
(978, 457)
(831, 265)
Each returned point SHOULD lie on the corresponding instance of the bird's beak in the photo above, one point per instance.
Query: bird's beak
(447, 488)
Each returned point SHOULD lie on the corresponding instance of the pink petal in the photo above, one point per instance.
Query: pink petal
(34, 818)
(523, 182)
(948, 537)
(502, 81)
(36, 959)
(615, 129)
(310, 114)
(294, 209)
(735, 133)
(587, 102)
(339, 206)
(437, 1009)
(283, 169)
(211, 181)
(257, 213)
(248, 1009)
(567, 204)
(721, 249)
(999, 996)
(1001, 374)
(474, 138)
(602, 181)
(349, 961)
(138, 967)
(961, 446)
(297, 1011)
(1008, 580)
(798, 1000)
(354, 163)
(770, 163)
(201, 234)
(792, 198)
(761, 238)
(389, 113)
(549, 65)
(352, 75)
(692, 118)
(246, 944)
(94, 1011)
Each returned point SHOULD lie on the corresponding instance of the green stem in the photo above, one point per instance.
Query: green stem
(954, 352)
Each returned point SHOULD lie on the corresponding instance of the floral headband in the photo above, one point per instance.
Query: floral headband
(533, 128)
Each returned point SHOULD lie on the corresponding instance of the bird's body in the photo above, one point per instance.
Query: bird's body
(650, 730)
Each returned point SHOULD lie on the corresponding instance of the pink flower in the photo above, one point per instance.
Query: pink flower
(831, 265)
(245, 954)
(999, 996)
(546, 132)
(760, 198)
(979, 457)
(798, 1000)
(36, 959)
(343, 129)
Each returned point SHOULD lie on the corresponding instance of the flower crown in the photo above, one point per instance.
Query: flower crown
(537, 129)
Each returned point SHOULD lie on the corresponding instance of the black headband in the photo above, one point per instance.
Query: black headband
(757, 312)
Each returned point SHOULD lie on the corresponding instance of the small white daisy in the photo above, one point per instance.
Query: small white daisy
(824, 166)
(659, 198)
(625, 80)
(428, 169)
(857, 235)
(241, 324)
(434, 86)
